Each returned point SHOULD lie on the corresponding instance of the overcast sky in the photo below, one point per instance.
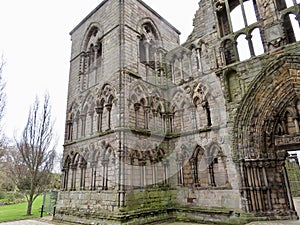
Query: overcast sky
(36, 46)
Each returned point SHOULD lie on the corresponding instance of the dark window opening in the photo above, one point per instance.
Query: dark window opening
(229, 52)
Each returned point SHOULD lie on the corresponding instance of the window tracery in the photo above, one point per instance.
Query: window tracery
(104, 108)
(150, 51)
(91, 58)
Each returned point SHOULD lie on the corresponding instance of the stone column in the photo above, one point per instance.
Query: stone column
(109, 107)
(250, 44)
(82, 167)
(91, 114)
(147, 111)
(99, 111)
(83, 124)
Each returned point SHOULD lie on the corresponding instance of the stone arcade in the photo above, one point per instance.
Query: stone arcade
(158, 131)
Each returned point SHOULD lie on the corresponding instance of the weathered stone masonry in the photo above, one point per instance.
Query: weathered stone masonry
(159, 131)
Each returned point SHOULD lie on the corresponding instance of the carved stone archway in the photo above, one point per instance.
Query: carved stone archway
(267, 125)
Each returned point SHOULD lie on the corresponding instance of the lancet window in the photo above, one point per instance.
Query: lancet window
(91, 58)
(201, 110)
(69, 126)
(72, 123)
(65, 173)
(148, 45)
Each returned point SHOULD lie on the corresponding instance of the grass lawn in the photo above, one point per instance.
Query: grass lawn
(18, 211)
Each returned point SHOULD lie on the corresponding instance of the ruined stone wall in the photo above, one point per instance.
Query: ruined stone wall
(185, 127)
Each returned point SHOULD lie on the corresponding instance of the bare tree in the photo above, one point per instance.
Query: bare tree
(32, 159)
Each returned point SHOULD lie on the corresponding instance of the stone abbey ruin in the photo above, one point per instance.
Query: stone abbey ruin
(200, 131)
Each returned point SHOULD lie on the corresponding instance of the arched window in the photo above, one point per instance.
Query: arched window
(91, 58)
(148, 45)
(223, 20)
(243, 15)
(109, 109)
(65, 174)
(69, 126)
(104, 108)
(74, 167)
(243, 47)
(94, 49)
(291, 26)
(257, 42)
(229, 52)
(235, 15)
(202, 109)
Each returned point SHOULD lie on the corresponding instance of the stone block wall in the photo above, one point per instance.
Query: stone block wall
(157, 131)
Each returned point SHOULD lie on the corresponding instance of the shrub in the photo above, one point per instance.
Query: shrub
(2, 195)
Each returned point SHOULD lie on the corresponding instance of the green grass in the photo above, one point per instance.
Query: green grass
(18, 211)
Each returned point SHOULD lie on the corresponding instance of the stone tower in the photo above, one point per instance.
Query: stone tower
(159, 131)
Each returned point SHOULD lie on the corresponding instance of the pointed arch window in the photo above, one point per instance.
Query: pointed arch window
(147, 45)
(109, 109)
(65, 174)
(91, 58)
(69, 127)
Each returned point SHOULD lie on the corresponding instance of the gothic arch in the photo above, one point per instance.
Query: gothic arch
(201, 100)
(105, 105)
(260, 152)
(137, 93)
(149, 43)
(148, 20)
(262, 104)
(216, 161)
(72, 121)
(91, 57)
(107, 92)
(89, 32)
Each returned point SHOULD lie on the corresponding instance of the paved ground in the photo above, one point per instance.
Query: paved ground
(47, 221)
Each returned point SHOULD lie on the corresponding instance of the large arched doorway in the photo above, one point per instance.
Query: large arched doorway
(266, 128)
